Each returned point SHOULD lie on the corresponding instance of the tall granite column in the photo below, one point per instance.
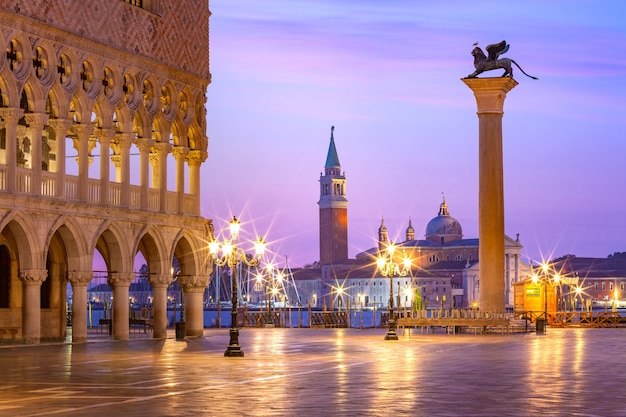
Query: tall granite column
(490, 94)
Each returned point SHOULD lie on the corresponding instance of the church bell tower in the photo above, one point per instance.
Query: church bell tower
(333, 209)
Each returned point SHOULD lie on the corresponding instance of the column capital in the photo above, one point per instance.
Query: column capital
(144, 144)
(160, 280)
(196, 157)
(83, 130)
(162, 148)
(120, 279)
(124, 140)
(61, 126)
(33, 277)
(36, 120)
(180, 152)
(79, 279)
(105, 134)
(11, 113)
(193, 283)
(490, 92)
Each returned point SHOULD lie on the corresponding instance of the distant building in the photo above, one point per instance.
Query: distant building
(444, 269)
(602, 281)
(333, 209)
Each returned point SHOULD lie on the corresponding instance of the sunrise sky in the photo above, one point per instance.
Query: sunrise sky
(387, 75)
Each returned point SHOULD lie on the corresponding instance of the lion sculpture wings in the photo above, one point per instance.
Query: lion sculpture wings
(493, 61)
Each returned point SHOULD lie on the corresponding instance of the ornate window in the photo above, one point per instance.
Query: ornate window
(149, 5)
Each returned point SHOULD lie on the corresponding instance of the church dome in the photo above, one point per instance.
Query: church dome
(444, 228)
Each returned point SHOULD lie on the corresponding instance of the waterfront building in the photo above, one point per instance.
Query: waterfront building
(444, 271)
(100, 101)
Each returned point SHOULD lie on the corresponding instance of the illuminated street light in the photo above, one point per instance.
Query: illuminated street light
(545, 280)
(389, 268)
(231, 255)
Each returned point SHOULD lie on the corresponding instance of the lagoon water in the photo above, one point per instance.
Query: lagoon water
(297, 318)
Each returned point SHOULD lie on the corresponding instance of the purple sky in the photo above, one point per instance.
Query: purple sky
(387, 75)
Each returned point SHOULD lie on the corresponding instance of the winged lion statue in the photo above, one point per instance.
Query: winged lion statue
(493, 61)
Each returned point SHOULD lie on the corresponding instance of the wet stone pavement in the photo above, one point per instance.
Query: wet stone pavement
(322, 372)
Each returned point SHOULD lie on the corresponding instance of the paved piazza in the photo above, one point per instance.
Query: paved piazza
(322, 372)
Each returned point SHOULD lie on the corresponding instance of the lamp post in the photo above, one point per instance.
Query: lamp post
(389, 268)
(231, 255)
(545, 280)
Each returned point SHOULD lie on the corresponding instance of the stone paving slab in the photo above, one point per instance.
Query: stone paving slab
(322, 372)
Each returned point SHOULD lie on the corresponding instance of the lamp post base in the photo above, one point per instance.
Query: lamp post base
(391, 332)
(234, 349)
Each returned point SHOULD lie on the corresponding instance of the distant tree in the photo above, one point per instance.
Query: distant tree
(564, 257)
(313, 265)
(618, 255)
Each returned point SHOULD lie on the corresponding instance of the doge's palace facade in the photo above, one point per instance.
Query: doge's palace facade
(94, 93)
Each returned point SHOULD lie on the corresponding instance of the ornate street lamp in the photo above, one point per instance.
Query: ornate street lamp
(231, 255)
(389, 268)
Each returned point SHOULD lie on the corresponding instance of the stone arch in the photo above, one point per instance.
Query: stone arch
(150, 242)
(22, 232)
(123, 122)
(186, 249)
(36, 96)
(104, 113)
(57, 103)
(110, 241)
(73, 238)
(80, 108)
(194, 136)
(142, 122)
(180, 133)
(161, 129)
(9, 90)
(186, 110)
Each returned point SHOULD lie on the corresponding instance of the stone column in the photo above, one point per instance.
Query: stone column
(79, 281)
(125, 141)
(163, 149)
(105, 136)
(180, 154)
(195, 159)
(36, 122)
(490, 94)
(193, 288)
(159, 304)
(144, 145)
(11, 116)
(61, 127)
(83, 132)
(120, 283)
(31, 313)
